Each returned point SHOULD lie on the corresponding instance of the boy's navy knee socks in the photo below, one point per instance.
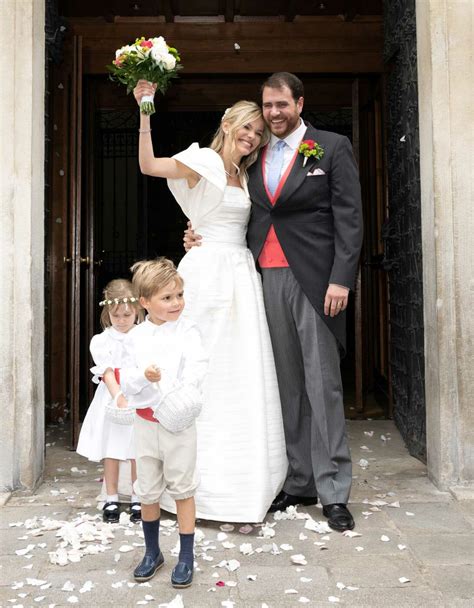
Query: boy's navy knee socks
(151, 531)
(186, 549)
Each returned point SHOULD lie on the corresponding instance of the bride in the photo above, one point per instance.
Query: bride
(241, 455)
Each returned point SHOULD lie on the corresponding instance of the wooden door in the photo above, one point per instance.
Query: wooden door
(82, 260)
(372, 378)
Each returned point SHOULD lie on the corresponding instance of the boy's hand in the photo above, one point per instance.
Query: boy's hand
(152, 373)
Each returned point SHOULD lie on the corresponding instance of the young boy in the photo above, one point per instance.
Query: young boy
(170, 367)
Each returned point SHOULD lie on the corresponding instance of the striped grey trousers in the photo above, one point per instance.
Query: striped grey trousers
(308, 368)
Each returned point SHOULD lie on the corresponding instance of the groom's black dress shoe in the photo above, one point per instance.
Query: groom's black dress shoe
(284, 500)
(339, 517)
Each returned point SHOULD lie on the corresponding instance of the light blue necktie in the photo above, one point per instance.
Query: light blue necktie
(276, 165)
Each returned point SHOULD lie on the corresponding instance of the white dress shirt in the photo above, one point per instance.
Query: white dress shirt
(175, 347)
(292, 142)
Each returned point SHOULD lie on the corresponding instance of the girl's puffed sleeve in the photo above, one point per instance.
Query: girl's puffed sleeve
(102, 356)
(206, 195)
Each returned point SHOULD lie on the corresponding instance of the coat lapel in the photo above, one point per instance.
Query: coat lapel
(298, 172)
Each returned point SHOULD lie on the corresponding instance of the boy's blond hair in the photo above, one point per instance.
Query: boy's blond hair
(149, 276)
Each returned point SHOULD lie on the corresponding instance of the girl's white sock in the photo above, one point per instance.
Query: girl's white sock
(112, 498)
(134, 498)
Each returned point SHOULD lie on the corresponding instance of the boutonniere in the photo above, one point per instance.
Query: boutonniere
(309, 147)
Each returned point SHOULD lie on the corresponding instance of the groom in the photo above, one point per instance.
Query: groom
(305, 232)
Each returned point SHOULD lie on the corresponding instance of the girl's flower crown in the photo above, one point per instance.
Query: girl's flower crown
(116, 301)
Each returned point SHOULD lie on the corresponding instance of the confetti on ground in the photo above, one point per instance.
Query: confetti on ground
(227, 527)
(404, 579)
(333, 599)
(246, 529)
(402, 547)
(291, 592)
(384, 538)
(350, 533)
(299, 559)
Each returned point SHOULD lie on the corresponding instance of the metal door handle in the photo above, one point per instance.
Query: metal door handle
(85, 260)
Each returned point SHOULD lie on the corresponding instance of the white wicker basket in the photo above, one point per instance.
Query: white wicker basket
(119, 415)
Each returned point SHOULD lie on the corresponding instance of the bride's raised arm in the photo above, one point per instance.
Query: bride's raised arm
(149, 164)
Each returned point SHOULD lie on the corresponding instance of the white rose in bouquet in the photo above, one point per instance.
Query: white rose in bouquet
(158, 54)
(169, 61)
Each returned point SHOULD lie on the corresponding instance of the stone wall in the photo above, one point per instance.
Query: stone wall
(22, 243)
(445, 79)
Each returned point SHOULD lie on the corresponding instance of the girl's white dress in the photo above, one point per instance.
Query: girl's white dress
(241, 446)
(100, 438)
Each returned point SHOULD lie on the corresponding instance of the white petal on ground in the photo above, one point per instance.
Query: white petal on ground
(333, 599)
(149, 598)
(25, 550)
(125, 548)
(350, 533)
(73, 599)
(321, 527)
(39, 598)
(359, 548)
(291, 592)
(394, 505)
(351, 588)
(299, 559)
(402, 547)
(363, 463)
(303, 600)
(384, 538)
(340, 586)
(409, 513)
(177, 602)
(227, 527)
(230, 583)
(246, 529)
(404, 579)
(267, 532)
(305, 579)
(35, 582)
(369, 433)
(88, 585)
(68, 586)
(228, 545)
(286, 547)
(246, 548)
(228, 604)
(302, 536)
(221, 536)
(251, 577)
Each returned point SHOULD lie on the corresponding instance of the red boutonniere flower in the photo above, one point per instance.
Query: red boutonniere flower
(309, 147)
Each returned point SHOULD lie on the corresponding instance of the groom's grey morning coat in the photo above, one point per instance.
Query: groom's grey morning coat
(317, 219)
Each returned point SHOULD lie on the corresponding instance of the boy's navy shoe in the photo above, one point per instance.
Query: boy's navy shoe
(111, 512)
(148, 567)
(182, 575)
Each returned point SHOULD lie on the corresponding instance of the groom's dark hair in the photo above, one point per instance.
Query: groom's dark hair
(281, 79)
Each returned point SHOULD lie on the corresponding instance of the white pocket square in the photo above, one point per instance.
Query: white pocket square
(316, 172)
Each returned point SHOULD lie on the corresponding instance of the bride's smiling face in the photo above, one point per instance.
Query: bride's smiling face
(248, 137)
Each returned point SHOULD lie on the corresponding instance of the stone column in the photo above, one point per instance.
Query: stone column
(446, 109)
(22, 48)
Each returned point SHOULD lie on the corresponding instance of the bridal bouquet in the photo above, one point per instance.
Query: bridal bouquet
(151, 60)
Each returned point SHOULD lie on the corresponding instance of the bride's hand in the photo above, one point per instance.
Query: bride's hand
(191, 239)
(143, 88)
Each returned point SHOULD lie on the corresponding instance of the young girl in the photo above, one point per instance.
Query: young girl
(100, 437)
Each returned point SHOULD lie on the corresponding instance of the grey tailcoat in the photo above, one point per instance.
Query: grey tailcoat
(317, 219)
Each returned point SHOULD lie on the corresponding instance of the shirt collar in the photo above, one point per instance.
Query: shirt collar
(292, 140)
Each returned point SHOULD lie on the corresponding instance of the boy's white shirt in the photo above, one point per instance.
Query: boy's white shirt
(175, 347)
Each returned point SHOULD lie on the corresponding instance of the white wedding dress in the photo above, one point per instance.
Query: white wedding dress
(241, 447)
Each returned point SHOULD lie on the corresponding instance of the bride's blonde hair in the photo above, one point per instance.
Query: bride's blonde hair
(238, 115)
